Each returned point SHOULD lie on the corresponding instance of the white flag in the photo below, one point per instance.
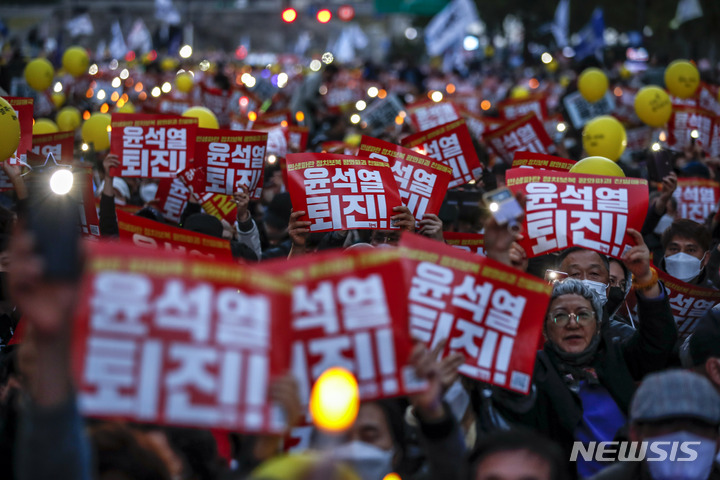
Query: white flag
(117, 48)
(687, 10)
(80, 25)
(449, 26)
(139, 38)
(561, 23)
(166, 12)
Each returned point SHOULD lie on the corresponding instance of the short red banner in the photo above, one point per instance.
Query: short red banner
(470, 242)
(541, 161)
(61, 145)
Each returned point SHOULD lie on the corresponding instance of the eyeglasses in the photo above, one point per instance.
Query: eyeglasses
(622, 284)
(584, 317)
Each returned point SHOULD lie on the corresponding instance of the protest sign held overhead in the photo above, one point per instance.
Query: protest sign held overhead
(566, 209)
(428, 114)
(696, 198)
(490, 313)
(168, 339)
(524, 134)
(341, 192)
(60, 144)
(542, 161)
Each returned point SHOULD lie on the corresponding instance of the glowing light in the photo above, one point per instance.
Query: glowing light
(90, 92)
(252, 116)
(289, 15)
(284, 123)
(315, 65)
(334, 400)
(382, 93)
(695, 134)
(355, 119)
(130, 56)
(58, 87)
(205, 65)
(115, 97)
(138, 87)
(186, 51)
(142, 96)
(116, 82)
(272, 159)
(656, 147)
(617, 91)
(114, 63)
(155, 92)
(101, 95)
(485, 105)
(104, 108)
(323, 90)
(372, 92)
(533, 83)
(471, 43)
(546, 58)
(93, 70)
(360, 105)
(346, 13)
(299, 117)
(324, 15)
(166, 87)
(61, 181)
(494, 207)
(399, 120)
(411, 33)
(327, 58)
(84, 147)
(392, 476)
(108, 128)
(282, 79)
(86, 114)
(450, 89)
(561, 127)
(124, 73)
(662, 137)
(436, 96)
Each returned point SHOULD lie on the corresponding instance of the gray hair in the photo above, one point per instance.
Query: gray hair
(571, 286)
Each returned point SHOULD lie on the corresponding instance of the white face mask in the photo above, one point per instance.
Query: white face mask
(368, 461)
(697, 469)
(600, 289)
(683, 266)
(147, 192)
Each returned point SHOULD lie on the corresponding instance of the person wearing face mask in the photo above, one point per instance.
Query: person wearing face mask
(687, 254)
(672, 406)
(584, 380)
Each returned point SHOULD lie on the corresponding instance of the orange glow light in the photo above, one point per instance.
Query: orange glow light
(485, 105)
(534, 83)
(450, 88)
(324, 15)
(252, 116)
(142, 96)
(104, 108)
(289, 15)
(284, 123)
(382, 93)
(618, 91)
(299, 116)
(86, 115)
(115, 97)
(89, 93)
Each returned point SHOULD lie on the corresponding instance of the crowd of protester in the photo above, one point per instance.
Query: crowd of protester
(602, 373)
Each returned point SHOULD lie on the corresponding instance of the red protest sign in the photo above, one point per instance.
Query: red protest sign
(565, 209)
(452, 145)
(686, 122)
(150, 234)
(220, 102)
(638, 138)
(470, 242)
(541, 161)
(490, 313)
(515, 108)
(230, 159)
(525, 134)
(151, 146)
(347, 312)
(479, 125)
(689, 303)
(428, 114)
(61, 145)
(24, 108)
(422, 181)
(341, 192)
(697, 198)
(171, 197)
(172, 340)
(89, 223)
(298, 138)
(220, 206)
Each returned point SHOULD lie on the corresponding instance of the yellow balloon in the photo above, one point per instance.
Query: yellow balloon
(682, 78)
(552, 66)
(184, 82)
(598, 166)
(68, 119)
(76, 61)
(206, 118)
(58, 99)
(592, 84)
(39, 74)
(604, 136)
(653, 106)
(9, 130)
(519, 92)
(335, 400)
(43, 126)
(625, 73)
(168, 63)
(127, 108)
(95, 130)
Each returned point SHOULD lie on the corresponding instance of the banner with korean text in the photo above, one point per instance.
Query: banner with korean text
(171, 198)
(147, 233)
(689, 303)
(168, 339)
(690, 124)
(216, 204)
(24, 108)
(524, 134)
(341, 192)
(348, 311)
(469, 242)
(152, 146)
(565, 209)
(428, 114)
(452, 145)
(490, 313)
(422, 181)
(514, 108)
(541, 161)
(61, 145)
(697, 198)
(230, 159)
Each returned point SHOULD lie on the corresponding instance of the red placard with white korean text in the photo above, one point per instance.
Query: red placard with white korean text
(525, 134)
(230, 159)
(422, 181)
(479, 125)
(339, 147)
(171, 197)
(173, 340)
(697, 198)
(297, 138)
(541, 161)
(174, 104)
(194, 178)
(514, 108)
(219, 102)
(428, 114)
(342, 192)
(61, 145)
(220, 206)
(24, 108)
(152, 146)
(490, 313)
(150, 234)
(638, 138)
(689, 303)
(686, 120)
(470, 242)
(347, 312)
(565, 209)
(452, 145)
(89, 222)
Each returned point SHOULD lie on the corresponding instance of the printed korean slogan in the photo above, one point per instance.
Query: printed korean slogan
(168, 339)
(541, 161)
(470, 242)
(590, 211)
(490, 313)
(523, 134)
(428, 114)
(697, 198)
(61, 145)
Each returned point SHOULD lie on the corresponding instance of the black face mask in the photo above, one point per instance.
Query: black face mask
(615, 297)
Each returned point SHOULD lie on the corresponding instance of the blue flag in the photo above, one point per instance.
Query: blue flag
(591, 37)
